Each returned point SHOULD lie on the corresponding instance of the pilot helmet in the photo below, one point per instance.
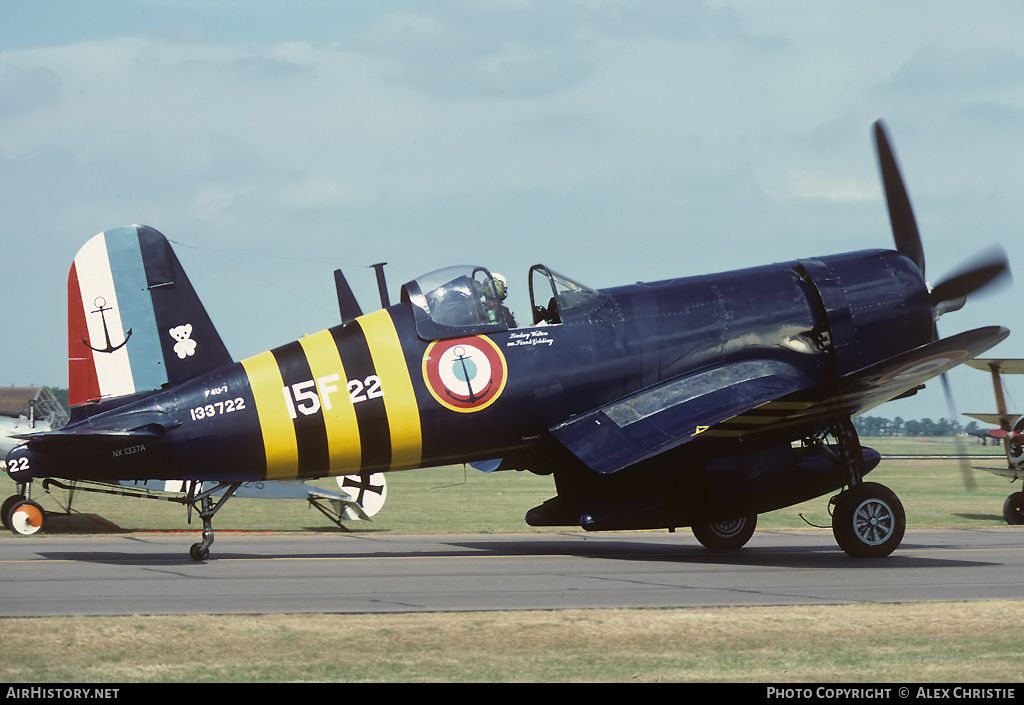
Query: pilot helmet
(500, 285)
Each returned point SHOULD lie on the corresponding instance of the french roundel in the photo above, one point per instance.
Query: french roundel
(928, 366)
(464, 374)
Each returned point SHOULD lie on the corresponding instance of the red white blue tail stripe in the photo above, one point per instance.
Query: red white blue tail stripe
(108, 305)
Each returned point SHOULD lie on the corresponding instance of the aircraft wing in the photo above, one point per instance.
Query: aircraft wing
(1005, 471)
(997, 420)
(860, 391)
(752, 397)
(1009, 367)
(660, 418)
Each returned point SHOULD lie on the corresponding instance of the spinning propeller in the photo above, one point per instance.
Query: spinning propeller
(977, 274)
(951, 293)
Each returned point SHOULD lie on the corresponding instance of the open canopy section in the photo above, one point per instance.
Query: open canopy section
(555, 298)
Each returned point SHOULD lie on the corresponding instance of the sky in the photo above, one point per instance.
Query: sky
(613, 140)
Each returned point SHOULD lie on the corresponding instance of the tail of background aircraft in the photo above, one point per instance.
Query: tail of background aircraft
(134, 321)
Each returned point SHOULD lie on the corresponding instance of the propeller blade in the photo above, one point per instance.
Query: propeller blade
(901, 214)
(961, 451)
(983, 272)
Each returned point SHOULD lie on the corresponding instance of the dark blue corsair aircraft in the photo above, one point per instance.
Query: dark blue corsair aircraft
(697, 402)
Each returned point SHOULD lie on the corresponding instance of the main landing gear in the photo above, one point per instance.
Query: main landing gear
(726, 535)
(1013, 508)
(868, 520)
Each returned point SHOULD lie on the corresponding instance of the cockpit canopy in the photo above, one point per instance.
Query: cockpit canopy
(467, 300)
(459, 300)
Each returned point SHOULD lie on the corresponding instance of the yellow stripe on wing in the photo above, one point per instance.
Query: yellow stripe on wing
(279, 441)
(772, 412)
(399, 397)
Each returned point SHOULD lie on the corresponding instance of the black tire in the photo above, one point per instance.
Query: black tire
(6, 507)
(1013, 508)
(25, 517)
(726, 535)
(198, 553)
(868, 521)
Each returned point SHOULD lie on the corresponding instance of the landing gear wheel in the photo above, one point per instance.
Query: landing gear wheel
(6, 507)
(1013, 508)
(199, 552)
(726, 535)
(25, 517)
(868, 521)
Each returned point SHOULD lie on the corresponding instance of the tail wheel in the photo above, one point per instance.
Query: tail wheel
(1013, 508)
(868, 521)
(25, 518)
(726, 535)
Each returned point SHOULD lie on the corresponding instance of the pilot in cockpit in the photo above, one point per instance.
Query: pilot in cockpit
(499, 292)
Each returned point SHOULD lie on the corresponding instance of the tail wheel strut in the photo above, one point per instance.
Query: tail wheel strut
(204, 504)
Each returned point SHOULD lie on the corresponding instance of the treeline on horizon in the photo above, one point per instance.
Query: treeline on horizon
(879, 426)
(865, 425)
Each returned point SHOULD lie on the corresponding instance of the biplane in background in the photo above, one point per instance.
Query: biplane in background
(697, 402)
(23, 411)
(28, 410)
(1010, 430)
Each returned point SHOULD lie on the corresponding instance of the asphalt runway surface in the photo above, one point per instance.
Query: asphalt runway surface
(343, 573)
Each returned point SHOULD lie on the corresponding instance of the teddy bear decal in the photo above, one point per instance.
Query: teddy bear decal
(184, 346)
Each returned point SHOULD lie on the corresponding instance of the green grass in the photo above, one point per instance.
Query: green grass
(905, 445)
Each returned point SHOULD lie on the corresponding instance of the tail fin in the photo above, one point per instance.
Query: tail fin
(134, 320)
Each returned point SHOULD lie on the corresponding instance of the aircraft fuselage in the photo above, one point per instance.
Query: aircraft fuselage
(374, 396)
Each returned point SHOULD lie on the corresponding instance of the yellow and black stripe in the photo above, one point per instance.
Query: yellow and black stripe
(777, 415)
(338, 402)
(772, 413)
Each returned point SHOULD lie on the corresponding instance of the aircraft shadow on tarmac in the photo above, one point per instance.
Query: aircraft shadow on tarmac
(825, 556)
(981, 517)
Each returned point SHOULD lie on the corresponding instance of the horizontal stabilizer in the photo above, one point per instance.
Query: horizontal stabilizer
(52, 437)
(136, 424)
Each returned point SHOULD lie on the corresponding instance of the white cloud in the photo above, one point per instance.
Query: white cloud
(626, 140)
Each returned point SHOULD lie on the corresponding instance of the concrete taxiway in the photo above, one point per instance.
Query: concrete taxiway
(259, 574)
